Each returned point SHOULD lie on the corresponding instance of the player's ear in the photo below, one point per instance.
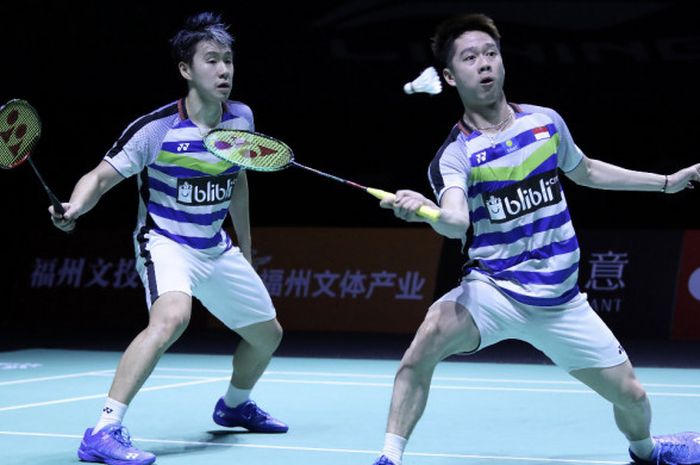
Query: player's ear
(185, 70)
(449, 77)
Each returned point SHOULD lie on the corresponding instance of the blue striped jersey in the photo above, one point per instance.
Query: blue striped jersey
(184, 191)
(522, 239)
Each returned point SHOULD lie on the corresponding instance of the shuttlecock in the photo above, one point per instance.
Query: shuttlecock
(428, 82)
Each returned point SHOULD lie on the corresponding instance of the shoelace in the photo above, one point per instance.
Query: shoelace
(254, 413)
(121, 434)
(671, 447)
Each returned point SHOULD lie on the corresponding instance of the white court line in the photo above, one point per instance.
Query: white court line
(103, 395)
(339, 383)
(53, 378)
(336, 450)
(435, 378)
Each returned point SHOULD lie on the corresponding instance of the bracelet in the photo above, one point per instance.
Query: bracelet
(663, 189)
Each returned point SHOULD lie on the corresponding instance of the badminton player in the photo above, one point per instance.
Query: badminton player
(498, 173)
(181, 249)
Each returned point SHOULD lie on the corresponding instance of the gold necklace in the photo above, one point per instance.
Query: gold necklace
(498, 127)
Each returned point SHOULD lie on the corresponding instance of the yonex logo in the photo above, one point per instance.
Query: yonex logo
(183, 147)
(13, 126)
(107, 410)
(131, 456)
(480, 157)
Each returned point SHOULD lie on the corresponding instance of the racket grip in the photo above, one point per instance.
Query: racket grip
(426, 212)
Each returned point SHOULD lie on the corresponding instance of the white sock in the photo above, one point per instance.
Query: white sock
(113, 412)
(393, 447)
(235, 396)
(642, 448)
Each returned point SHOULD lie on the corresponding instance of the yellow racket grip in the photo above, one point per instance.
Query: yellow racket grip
(425, 212)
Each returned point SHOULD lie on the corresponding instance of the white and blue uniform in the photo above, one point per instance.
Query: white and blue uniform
(184, 197)
(522, 240)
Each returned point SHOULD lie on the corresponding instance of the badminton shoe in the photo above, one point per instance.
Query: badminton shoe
(112, 445)
(675, 449)
(249, 416)
(384, 460)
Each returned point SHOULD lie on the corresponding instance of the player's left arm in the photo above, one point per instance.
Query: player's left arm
(240, 215)
(601, 175)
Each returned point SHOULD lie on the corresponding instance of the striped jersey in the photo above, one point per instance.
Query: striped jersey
(522, 237)
(184, 191)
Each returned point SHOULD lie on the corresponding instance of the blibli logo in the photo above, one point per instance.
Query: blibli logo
(205, 190)
(184, 193)
(525, 197)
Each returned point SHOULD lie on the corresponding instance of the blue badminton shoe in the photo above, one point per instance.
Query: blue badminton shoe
(384, 460)
(112, 445)
(249, 416)
(674, 449)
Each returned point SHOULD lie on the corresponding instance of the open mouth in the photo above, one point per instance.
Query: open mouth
(487, 80)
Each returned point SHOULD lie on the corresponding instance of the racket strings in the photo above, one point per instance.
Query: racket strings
(249, 150)
(20, 129)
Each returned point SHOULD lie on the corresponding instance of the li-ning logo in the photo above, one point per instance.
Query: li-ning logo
(205, 190)
(525, 197)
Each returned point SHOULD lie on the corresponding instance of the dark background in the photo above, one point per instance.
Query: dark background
(328, 78)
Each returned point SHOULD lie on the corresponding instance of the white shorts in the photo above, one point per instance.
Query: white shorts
(226, 284)
(572, 335)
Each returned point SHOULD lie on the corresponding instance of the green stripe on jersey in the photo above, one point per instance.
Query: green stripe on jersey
(520, 172)
(192, 163)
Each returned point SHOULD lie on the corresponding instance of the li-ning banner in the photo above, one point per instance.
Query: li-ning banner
(630, 278)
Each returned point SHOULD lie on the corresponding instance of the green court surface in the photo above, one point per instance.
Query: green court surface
(477, 414)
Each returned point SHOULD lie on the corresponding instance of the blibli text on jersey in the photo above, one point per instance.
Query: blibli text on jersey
(205, 190)
(523, 197)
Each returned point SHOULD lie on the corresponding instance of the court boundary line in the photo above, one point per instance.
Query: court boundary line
(334, 450)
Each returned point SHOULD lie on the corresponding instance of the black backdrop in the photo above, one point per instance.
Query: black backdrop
(327, 79)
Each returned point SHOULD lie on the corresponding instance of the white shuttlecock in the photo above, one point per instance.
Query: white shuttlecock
(428, 82)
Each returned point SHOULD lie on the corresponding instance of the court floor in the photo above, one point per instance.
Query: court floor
(477, 414)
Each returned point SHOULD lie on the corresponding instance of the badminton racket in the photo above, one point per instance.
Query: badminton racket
(259, 152)
(20, 129)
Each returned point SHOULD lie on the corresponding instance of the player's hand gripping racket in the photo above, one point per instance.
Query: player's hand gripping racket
(20, 129)
(259, 152)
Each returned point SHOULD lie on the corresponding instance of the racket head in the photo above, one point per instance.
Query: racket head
(248, 149)
(20, 129)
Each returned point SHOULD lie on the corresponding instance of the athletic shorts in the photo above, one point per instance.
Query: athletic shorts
(226, 284)
(572, 335)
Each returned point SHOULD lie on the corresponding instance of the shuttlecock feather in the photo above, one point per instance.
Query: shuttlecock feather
(428, 82)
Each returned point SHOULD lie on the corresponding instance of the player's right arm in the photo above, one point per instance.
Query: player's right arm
(454, 211)
(87, 192)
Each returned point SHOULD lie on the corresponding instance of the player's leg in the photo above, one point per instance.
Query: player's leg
(165, 268)
(109, 441)
(254, 352)
(169, 317)
(448, 329)
(235, 294)
(620, 386)
(576, 339)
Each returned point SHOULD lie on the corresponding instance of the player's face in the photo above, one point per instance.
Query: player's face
(476, 68)
(211, 71)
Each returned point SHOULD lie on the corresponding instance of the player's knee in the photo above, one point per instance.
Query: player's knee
(167, 327)
(632, 395)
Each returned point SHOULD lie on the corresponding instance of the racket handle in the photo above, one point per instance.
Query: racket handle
(426, 212)
(57, 207)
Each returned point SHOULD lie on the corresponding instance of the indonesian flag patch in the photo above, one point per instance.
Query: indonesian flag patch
(541, 133)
